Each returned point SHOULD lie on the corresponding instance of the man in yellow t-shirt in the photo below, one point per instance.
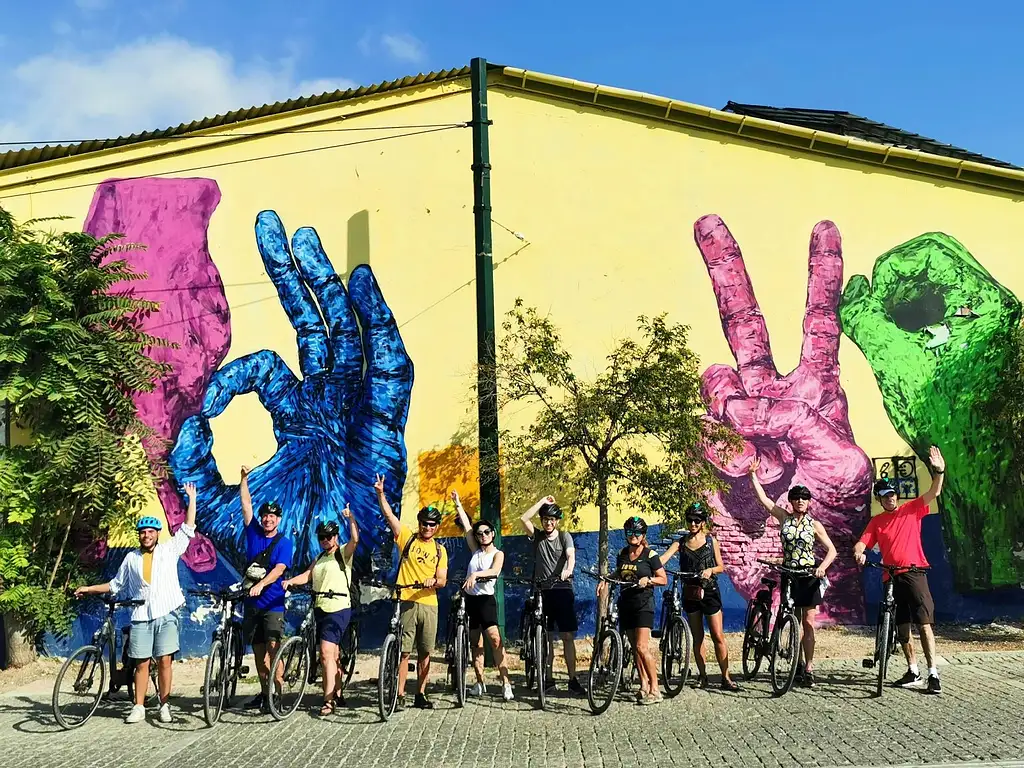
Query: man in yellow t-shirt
(423, 561)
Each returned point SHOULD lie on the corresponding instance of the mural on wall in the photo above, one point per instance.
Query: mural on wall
(797, 424)
(336, 426)
(926, 324)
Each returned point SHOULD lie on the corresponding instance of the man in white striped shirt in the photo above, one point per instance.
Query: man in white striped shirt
(150, 573)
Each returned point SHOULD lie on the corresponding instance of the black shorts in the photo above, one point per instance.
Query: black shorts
(560, 610)
(482, 611)
(630, 618)
(806, 591)
(260, 627)
(330, 627)
(913, 599)
(708, 605)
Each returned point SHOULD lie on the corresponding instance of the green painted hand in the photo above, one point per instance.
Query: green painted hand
(930, 325)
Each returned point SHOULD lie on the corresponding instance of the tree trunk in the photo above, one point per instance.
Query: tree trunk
(21, 646)
(602, 538)
(60, 552)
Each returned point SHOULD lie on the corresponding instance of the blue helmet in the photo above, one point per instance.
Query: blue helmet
(149, 522)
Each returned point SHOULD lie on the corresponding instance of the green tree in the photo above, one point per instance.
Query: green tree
(72, 355)
(636, 430)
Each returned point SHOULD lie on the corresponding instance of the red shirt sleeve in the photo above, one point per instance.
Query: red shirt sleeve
(869, 538)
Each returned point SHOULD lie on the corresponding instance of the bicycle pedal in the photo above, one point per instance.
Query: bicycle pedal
(867, 663)
(244, 669)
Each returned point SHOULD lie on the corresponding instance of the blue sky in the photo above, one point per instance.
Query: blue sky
(74, 69)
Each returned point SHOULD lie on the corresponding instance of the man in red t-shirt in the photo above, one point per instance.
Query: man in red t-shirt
(897, 532)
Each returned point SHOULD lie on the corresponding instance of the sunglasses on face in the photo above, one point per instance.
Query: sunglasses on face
(325, 538)
(428, 525)
(633, 535)
(484, 532)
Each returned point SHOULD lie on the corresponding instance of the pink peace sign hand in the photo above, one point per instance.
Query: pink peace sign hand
(797, 425)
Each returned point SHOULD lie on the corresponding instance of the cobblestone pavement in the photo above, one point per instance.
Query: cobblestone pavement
(978, 718)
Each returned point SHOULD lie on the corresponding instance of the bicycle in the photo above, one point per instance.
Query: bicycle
(782, 644)
(297, 658)
(676, 637)
(533, 635)
(390, 651)
(458, 653)
(607, 662)
(224, 663)
(91, 660)
(885, 630)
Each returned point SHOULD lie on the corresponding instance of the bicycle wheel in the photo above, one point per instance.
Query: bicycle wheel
(214, 683)
(387, 677)
(754, 639)
(540, 661)
(86, 674)
(292, 658)
(675, 655)
(882, 649)
(235, 665)
(605, 671)
(459, 665)
(785, 653)
(350, 649)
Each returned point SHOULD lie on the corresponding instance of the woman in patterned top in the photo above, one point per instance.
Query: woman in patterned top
(799, 532)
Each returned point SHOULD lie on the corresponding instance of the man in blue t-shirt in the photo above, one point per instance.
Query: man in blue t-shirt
(269, 554)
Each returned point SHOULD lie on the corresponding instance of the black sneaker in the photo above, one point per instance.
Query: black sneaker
(422, 702)
(800, 671)
(807, 681)
(549, 685)
(934, 686)
(575, 687)
(256, 702)
(909, 679)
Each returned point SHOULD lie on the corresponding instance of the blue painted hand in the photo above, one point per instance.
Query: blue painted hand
(340, 423)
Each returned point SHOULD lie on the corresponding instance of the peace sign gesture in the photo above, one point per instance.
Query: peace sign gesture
(796, 425)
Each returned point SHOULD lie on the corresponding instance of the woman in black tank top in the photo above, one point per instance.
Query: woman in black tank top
(699, 553)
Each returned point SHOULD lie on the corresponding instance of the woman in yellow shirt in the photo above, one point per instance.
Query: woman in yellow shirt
(331, 572)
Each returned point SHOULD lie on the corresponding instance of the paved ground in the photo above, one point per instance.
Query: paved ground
(979, 717)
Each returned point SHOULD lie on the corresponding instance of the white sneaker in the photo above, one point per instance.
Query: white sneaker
(165, 713)
(137, 715)
(506, 693)
(479, 689)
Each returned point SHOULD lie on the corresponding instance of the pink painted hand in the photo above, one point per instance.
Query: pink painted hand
(796, 425)
(170, 217)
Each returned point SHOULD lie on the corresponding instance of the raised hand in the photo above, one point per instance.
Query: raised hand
(335, 426)
(930, 324)
(796, 426)
(170, 218)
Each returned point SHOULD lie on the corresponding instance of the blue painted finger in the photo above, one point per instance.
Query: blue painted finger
(295, 297)
(264, 373)
(343, 331)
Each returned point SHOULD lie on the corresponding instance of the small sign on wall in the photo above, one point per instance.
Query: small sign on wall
(902, 469)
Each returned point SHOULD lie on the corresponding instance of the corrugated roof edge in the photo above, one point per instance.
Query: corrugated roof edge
(29, 156)
(760, 130)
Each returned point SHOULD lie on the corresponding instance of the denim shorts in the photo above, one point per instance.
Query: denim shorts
(155, 638)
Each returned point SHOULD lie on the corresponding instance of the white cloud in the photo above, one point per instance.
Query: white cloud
(404, 47)
(144, 85)
(62, 27)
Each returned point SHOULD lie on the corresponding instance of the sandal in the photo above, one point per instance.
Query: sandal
(339, 699)
(729, 685)
(701, 683)
(327, 709)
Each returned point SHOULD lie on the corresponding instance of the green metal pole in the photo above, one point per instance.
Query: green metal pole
(487, 387)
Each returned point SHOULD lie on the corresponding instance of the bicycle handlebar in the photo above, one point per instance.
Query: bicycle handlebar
(463, 576)
(613, 580)
(893, 568)
(393, 587)
(534, 583)
(683, 574)
(786, 569)
(123, 603)
(229, 595)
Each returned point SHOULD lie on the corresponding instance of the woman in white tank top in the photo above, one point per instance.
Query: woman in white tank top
(481, 607)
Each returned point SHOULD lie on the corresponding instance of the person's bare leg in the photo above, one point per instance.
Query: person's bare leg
(329, 660)
(697, 630)
(809, 617)
(423, 671)
(403, 673)
(259, 653)
(164, 672)
(141, 681)
(927, 644)
(494, 636)
(907, 643)
(476, 640)
(569, 651)
(643, 641)
(717, 632)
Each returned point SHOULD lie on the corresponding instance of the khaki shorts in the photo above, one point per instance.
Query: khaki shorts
(419, 628)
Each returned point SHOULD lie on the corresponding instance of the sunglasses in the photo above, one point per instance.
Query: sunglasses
(633, 534)
(428, 525)
(325, 538)
(694, 520)
(484, 532)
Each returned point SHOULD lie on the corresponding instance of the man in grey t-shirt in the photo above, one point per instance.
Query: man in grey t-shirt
(555, 558)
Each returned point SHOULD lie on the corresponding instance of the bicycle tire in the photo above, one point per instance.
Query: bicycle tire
(459, 665)
(754, 636)
(351, 651)
(882, 649)
(235, 670)
(540, 655)
(293, 656)
(675, 656)
(89, 656)
(785, 647)
(605, 673)
(214, 683)
(387, 677)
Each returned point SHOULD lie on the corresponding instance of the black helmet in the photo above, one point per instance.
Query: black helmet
(271, 508)
(327, 530)
(429, 514)
(635, 525)
(697, 511)
(551, 510)
(800, 492)
(885, 486)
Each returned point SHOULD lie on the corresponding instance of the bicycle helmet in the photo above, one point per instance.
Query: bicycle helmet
(149, 522)
(270, 508)
(698, 512)
(635, 526)
(327, 530)
(885, 486)
(551, 510)
(800, 492)
(429, 514)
